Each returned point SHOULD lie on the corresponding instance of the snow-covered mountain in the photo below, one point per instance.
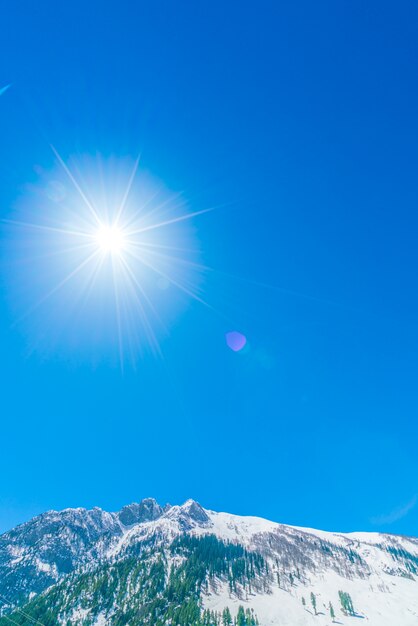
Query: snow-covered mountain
(149, 564)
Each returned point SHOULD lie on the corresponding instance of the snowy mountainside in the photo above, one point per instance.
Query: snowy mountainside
(38, 553)
(149, 564)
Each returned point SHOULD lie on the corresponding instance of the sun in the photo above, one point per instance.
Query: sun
(111, 252)
(110, 239)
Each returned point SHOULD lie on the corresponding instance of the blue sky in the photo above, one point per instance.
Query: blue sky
(299, 120)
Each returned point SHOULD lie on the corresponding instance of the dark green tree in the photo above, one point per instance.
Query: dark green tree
(313, 601)
(241, 621)
(226, 617)
(346, 603)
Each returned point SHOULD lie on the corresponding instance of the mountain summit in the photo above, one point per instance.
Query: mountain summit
(185, 565)
(146, 511)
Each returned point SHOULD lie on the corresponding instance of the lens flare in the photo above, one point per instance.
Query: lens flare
(235, 341)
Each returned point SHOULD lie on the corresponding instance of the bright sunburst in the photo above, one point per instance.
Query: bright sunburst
(108, 257)
(110, 239)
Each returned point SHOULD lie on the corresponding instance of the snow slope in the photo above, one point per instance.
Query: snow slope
(378, 571)
(384, 588)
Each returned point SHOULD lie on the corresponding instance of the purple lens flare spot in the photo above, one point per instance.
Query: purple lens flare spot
(235, 340)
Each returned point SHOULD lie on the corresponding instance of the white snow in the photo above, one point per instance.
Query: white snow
(381, 599)
(383, 591)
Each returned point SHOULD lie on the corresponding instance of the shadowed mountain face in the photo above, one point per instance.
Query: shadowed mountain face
(147, 510)
(149, 564)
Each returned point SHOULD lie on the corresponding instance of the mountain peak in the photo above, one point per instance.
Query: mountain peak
(195, 511)
(285, 565)
(147, 510)
(188, 514)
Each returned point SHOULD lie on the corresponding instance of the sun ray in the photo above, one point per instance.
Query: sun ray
(148, 327)
(141, 289)
(128, 190)
(169, 204)
(170, 279)
(58, 286)
(118, 315)
(76, 185)
(174, 220)
(109, 245)
(169, 257)
(159, 246)
(62, 231)
(139, 213)
(57, 253)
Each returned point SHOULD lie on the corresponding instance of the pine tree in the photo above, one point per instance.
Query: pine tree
(303, 601)
(346, 603)
(226, 617)
(313, 601)
(241, 616)
(331, 612)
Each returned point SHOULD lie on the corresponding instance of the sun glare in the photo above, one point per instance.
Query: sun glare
(110, 240)
(96, 210)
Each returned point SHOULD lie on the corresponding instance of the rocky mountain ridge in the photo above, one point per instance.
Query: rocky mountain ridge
(274, 571)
